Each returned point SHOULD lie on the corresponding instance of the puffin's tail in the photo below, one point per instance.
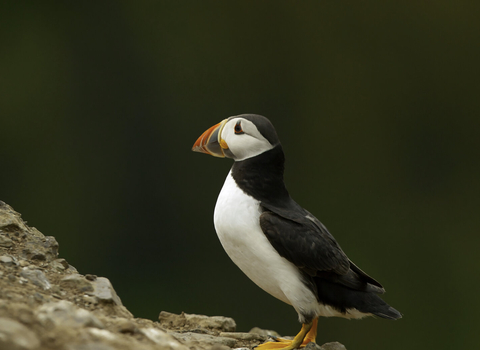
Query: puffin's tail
(390, 314)
(381, 309)
(344, 298)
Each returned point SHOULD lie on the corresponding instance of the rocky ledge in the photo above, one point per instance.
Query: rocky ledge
(46, 304)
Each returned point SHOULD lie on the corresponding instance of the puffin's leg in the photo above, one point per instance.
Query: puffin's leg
(312, 333)
(297, 342)
(309, 337)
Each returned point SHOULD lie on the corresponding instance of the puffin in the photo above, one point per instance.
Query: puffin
(279, 245)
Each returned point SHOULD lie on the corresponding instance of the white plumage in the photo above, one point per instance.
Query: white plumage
(237, 224)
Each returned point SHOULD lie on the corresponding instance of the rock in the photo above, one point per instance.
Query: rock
(23, 263)
(264, 332)
(25, 315)
(37, 297)
(333, 346)
(219, 323)
(59, 264)
(163, 339)
(244, 336)
(126, 326)
(90, 277)
(203, 341)
(102, 334)
(5, 242)
(313, 346)
(224, 347)
(103, 291)
(90, 346)
(170, 320)
(16, 336)
(77, 282)
(71, 269)
(37, 277)
(45, 249)
(45, 303)
(104, 295)
(51, 247)
(10, 220)
(90, 300)
(66, 314)
(7, 260)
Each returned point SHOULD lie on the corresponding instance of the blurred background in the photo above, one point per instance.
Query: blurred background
(377, 106)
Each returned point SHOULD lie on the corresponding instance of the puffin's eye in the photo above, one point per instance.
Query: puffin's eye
(238, 128)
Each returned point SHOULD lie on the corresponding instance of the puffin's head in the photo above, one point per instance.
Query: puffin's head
(240, 137)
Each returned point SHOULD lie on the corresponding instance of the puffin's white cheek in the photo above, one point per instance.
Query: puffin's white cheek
(245, 146)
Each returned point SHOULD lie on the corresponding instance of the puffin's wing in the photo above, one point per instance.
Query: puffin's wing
(303, 240)
(305, 243)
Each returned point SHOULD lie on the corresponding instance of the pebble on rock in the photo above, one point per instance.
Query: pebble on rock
(41, 249)
(90, 277)
(244, 336)
(333, 346)
(10, 220)
(220, 323)
(170, 320)
(104, 292)
(7, 260)
(37, 277)
(203, 340)
(78, 282)
(126, 326)
(165, 340)
(264, 332)
(102, 334)
(59, 264)
(5, 242)
(313, 346)
(65, 313)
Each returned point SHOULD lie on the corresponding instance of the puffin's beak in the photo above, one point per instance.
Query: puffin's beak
(210, 141)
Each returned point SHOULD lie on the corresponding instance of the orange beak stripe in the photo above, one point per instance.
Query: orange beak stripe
(209, 142)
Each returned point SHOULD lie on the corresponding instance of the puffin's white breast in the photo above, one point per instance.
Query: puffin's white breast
(237, 224)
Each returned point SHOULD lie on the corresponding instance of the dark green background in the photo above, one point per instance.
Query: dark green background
(376, 104)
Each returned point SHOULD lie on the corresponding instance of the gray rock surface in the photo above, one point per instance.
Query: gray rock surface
(7, 260)
(77, 282)
(46, 304)
(162, 339)
(104, 292)
(16, 336)
(244, 336)
(203, 341)
(264, 332)
(333, 346)
(5, 241)
(63, 313)
(313, 346)
(37, 277)
(218, 323)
